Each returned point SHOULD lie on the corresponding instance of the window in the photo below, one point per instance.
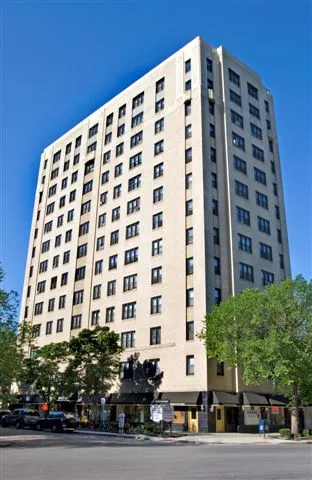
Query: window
(188, 181)
(95, 317)
(91, 147)
(212, 130)
(189, 266)
(134, 182)
(157, 246)
(138, 100)
(264, 225)
(38, 308)
(100, 242)
(189, 236)
(48, 227)
(118, 170)
(43, 267)
(74, 177)
(158, 147)
(256, 131)
(188, 85)
(111, 288)
(190, 366)
(257, 153)
(101, 220)
(135, 160)
(158, 194)
(237, 119)
(189, 208)
(36, 330)
(52, 191)
(78, 142)
(114, 237)
(130, 282)
(216, 236)
(62, 302)
(188, 155)
(64, 279)
(137, 119)
(78, 297)
(106, 157)
(216, 265)
(213, 155)
(54, 173)
(128, 339)
(266, 278)
(188, 131)
(189, 331)
(275, 189)
(133, 205)
(87, 187)
(112, 262)
(235, 98)
(160, 85)
(89, 167)
(131, 255)
(53, 283)
(33, 252)
(234, 77)
(119, 150)
(98, 267)
(220, 369)
(115, 214)
(126, 371)
(122, 111)
(103, 198)
(190, 297)
(159, 105)
(108, 138)
(121, 130)
(70, 215)
(128, 310)
(55, 262)
(260, 176)
(241, 189)
(266, 251)
(76, 322)
(244, 243)
(217, 296)
(86, 207)
(209, 65)
(188, 108)
(82, 250)
(277, 212)
(45, 246)
(76, 159)
(96, 292)
(246, 272)
(159, 125)
(211, 110)
(252, 91)
(156, 275)
(157, 220)
(240, 164)
(93, 130)
(60, 220)
(155, 336)
(214, 181)
(254, 111)
(271, 146)
(59, 325)
(156, 304)
(109, 119)
(41, 287)
(66, 256)
(238, 141)
(132, 230)
(188, 65)
(262, 200)
(266, 106)
(57, 156)
(68, 236)
(281, 257)
(117, 191)
(279, 236)
(110, 314)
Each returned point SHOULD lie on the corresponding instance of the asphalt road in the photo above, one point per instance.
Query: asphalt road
(28, 455)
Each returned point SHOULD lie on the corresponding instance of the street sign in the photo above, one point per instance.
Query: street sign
(162, 412)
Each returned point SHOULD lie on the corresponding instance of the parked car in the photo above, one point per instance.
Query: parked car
(4, 412)
(20, 417)
(57, 422)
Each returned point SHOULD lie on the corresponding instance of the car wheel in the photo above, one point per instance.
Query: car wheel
(4, 424)
(54, 429)
(19, 425)
(38, 427)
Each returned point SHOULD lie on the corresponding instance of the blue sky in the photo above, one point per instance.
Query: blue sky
(62, 60)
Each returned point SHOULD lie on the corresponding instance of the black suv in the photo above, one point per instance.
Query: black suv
(21, 417)
(57, 422)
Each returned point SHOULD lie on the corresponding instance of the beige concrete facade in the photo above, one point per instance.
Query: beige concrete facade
(210, 117)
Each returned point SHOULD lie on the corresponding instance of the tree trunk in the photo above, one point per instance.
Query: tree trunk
(295, 412)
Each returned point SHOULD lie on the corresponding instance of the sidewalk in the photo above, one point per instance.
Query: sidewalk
(212, 438)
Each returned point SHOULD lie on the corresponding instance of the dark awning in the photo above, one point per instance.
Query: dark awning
(182, 398)
(225, 398)
(144, 398)
(278, 400)
(254, 399)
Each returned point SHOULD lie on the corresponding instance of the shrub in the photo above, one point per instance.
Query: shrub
(285, 432)
(305, 432)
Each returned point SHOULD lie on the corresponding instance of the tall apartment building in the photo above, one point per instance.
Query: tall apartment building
(158, 205)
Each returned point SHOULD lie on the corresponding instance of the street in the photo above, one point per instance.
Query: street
(30, 455)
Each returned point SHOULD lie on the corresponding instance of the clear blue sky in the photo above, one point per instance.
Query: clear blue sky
(62, 60)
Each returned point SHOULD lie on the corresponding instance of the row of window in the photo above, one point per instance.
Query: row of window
(251, 89)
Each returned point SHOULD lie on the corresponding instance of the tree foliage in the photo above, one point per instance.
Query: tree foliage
(268, 333)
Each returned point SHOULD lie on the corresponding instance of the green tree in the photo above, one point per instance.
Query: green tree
(10, 353)
(269, 334)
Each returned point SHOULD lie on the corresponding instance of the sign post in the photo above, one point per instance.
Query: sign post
(162, 411)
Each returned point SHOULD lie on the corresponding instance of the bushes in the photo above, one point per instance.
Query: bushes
(285, 432)
(306, 433)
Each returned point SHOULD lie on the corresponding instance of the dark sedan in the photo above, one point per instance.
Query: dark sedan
(57, 422)
(20, 417)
